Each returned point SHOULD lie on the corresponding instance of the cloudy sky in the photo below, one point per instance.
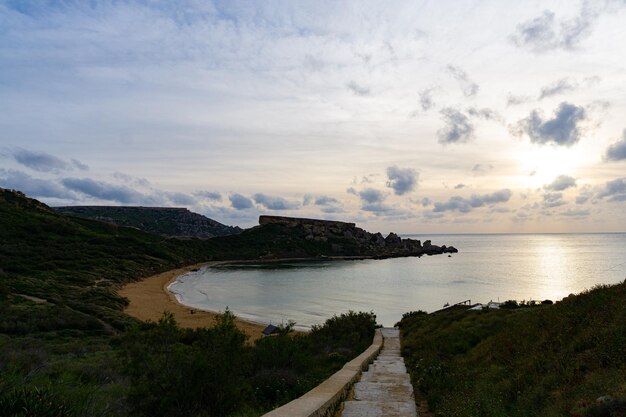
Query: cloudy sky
(416, 116)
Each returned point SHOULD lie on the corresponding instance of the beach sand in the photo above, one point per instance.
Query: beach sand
(149, 298)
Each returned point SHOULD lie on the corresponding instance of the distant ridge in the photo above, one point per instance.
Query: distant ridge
(166, 221)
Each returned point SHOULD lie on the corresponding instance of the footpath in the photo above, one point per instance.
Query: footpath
(385, 390)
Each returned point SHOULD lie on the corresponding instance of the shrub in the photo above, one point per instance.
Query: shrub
(31, 402)
(178, 372)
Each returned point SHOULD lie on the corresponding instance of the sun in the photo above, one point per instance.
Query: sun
(540, 165)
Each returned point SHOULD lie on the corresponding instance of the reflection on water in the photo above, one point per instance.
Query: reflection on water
(488, 267)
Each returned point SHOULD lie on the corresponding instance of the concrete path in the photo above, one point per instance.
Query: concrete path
(385, 390)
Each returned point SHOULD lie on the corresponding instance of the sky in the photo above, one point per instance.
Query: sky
(405, 116)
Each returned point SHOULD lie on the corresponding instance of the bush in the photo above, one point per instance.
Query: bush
(348, 332)
(32, 402)
(179, 372)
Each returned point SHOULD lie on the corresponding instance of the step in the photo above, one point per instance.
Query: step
(383, 391)
(379, 409)
(384, 378)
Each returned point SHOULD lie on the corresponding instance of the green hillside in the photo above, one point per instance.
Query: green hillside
(178, 222)
(67, 349)
(549, 360)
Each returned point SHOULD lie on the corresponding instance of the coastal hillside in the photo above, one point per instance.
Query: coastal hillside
(165, 221)
(566, 359)
(67, 349)
(76, 264)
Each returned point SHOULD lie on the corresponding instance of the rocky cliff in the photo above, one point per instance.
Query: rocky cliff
(166, 221)
(346, 238)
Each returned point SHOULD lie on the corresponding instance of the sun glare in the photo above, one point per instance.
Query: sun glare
(541, 165)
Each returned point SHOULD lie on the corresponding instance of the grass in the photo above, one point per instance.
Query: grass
(550, 360)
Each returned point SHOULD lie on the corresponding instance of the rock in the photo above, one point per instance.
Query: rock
(378, 239)
(605, 399)
(393, 239)
(349, 240)
(336, 248)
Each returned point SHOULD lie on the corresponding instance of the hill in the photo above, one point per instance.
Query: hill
(67, 349)
(534, 360)
(165, 221)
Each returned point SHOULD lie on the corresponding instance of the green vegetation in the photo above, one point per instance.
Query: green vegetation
(158, 220)
(540, 360)
(67, 348)
(211, 371)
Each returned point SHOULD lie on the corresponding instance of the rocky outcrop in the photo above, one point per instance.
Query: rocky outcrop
(347, 239)
(166, 221)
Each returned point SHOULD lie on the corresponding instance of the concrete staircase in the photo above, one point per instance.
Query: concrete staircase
(385, 390)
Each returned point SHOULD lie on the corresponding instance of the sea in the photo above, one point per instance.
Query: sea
(488, 267)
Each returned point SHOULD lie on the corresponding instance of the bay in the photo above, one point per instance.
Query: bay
(488, 267)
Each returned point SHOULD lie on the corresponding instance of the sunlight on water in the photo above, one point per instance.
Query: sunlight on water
(488, 267)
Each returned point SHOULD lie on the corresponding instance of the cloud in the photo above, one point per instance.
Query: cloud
(209, 195)
(426, 99)
(617, 151)
(500, 210)
(332, 209)
(574, 213)
(357, 89)
(324, 200)
(465, 205)
(615, 189)
(79, 165)
(457, 129)
(141, 182)
(513, 100)
(617, 198)
(582, 199)
(560, 183)
(563, 129)
(240, 202)
(558, 87)
(481, 168)
(425, 202)
(543, 33)
(371, 195)
(181, 199)
(105, 191)
(273, 203)
(40, 161)
(33, 187)
(537, 33)
(484, 113)
(376, 207)
(401, 180)
(553, 200)
(469, 87)
(459, 186)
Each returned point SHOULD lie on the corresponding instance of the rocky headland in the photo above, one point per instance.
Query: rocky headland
(346, 239)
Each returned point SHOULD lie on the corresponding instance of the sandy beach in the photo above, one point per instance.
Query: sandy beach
(149, 298)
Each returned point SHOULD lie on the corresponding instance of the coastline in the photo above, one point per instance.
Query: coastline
(149, 298)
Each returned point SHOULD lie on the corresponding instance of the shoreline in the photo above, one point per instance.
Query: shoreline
(149, 298)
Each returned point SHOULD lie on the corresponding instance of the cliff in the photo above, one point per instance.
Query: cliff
(346, 239)
(165, 221)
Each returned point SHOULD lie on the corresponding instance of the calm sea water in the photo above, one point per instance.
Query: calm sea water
(488, 267)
